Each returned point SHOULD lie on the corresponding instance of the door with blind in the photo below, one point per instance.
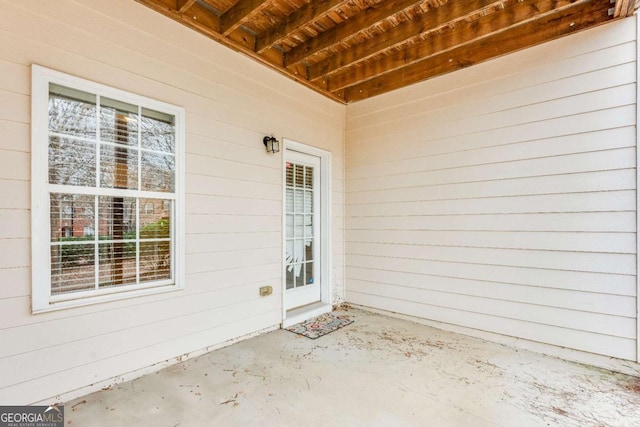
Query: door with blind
(302, 230)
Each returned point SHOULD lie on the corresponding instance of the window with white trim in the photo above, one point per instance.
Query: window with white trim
(107, 190)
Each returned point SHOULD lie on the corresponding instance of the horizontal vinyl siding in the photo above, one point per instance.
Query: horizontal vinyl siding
(233, 192)
(503, 197)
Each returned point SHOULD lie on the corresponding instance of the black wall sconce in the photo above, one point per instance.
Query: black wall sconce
(271, 143)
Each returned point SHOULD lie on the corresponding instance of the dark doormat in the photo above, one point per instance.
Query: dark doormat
(321, 325)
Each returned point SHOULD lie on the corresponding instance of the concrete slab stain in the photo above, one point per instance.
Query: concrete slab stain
(378, 371)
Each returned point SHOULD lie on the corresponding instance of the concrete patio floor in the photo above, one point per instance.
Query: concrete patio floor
(378, 371)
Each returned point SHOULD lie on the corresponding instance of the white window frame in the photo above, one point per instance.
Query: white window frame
(42, 299)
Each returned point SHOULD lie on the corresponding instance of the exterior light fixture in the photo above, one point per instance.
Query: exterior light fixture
(271, 143)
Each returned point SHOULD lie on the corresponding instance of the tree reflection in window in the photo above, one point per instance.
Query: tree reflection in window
(99, 240)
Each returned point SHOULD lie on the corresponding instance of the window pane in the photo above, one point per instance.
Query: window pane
(122, 157)
(72, 217)
(155, 260)
(72, 162)
(157, 224)
(118, 122)
(72, 268)
(72, 111)
(117, 218)
(117, 264)
(158, 172)
(158, 131)
(118, 167)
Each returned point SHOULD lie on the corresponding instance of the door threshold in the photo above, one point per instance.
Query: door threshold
(306, 312)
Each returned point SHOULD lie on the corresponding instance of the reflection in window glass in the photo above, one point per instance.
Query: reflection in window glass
(116, 231)
(72, 112)
(158, 131)
(70, 216)
(118, 122)
(158, 172)
(118, 167)
(72, 162)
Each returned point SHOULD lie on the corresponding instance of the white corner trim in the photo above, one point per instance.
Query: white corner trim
(637, 195)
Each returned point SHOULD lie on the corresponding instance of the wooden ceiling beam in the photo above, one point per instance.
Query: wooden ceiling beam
(198, 18)
(463, 34)
(294, 21)
(624, 8)
(430, 21)
(183, 5)
(206, 22)
(579, 16)
(346, 29)
(232, 18)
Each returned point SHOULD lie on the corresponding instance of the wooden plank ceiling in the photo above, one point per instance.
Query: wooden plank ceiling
(351, 50)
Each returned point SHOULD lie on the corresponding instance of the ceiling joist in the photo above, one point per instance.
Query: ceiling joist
(517, 13)
(231, 19)
(351, 50)
(420, 26)
(294, 22)
(348, 28)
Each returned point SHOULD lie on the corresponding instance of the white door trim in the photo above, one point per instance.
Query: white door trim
(325, 234)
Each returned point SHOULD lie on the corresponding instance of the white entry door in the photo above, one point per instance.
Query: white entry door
(302, 230)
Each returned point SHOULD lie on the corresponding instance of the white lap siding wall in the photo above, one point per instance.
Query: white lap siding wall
(233, 193)
(502, 198)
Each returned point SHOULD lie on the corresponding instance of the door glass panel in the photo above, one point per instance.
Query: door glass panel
(308, 226)
(308, 177)
(289, 174)
(308, 250)
(289, 252)
(290, 283)
(309, 273)
(289, 201)
(299, 226)
(299, 273)
(300, 244)
(299, 176)
(308, 201)
(298, 251)
(299, 201)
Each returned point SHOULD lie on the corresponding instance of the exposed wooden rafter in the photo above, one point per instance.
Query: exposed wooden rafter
(294, 22)
(183, 5)
(348, 28)
(351, 50)
(625, 8)
(232, 18)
